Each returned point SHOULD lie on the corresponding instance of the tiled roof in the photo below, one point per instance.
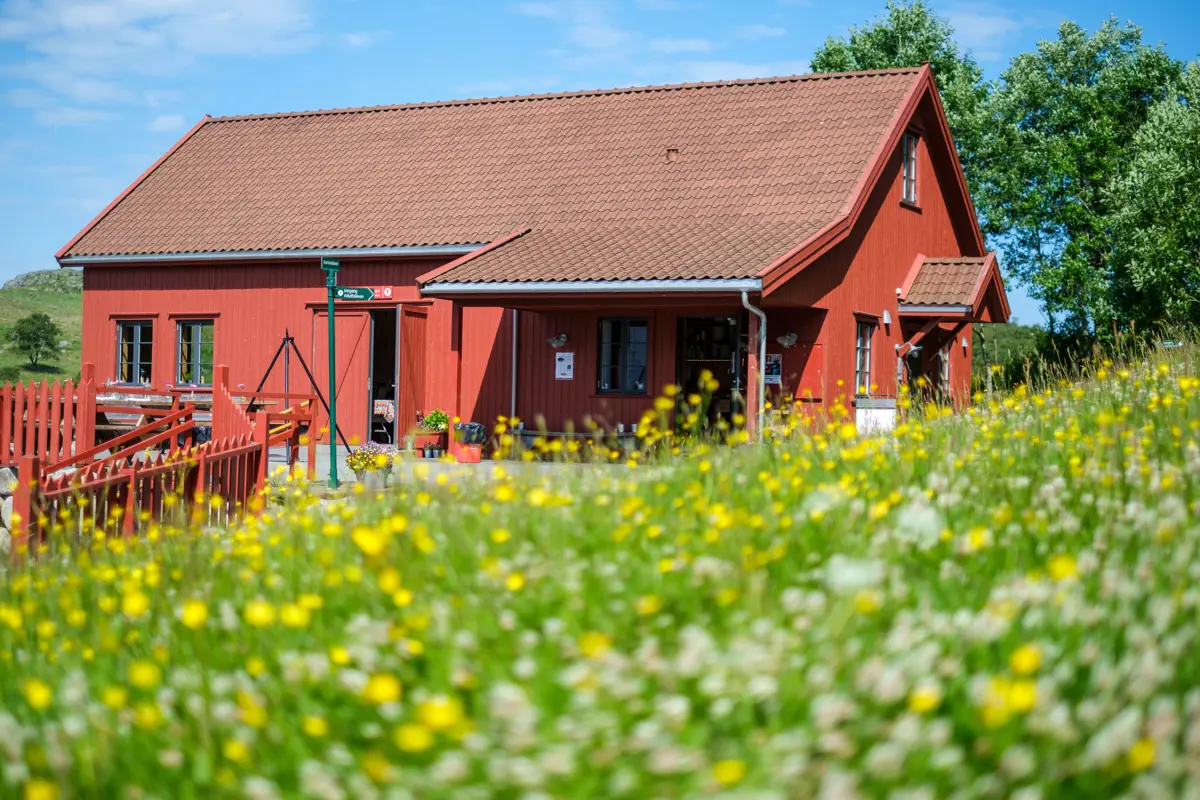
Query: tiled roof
(947, 282)
(693, 180)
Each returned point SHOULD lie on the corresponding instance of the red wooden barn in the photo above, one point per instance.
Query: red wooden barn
(557, 256)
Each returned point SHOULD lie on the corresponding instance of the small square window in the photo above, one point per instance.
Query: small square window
(862, 358)
(135, 351)
(909, 148)
(194, 364)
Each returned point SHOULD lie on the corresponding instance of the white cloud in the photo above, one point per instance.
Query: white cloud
(543, 10)
(982, 27)
(87, 53)
(166, 122)
(71, 116)
(659, 5)
(674, 45)
(760, 31)
(718, 70)
(360, 39)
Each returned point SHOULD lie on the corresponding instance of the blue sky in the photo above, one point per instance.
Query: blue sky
(92, 91)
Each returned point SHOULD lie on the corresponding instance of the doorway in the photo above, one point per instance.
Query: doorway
(712, 344)
(382, 376)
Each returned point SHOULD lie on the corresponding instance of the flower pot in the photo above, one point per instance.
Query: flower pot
(374, 480)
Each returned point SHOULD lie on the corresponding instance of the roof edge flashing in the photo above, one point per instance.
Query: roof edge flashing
(247, 255)
(686, 285)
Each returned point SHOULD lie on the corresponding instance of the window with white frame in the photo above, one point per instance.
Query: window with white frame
(194, 361)
(944, 355)
(135, 351)
(909, 148)
(862, 358)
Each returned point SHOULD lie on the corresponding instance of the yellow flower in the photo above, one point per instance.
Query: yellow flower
(38, 789)
(1141, 755)
(144, 674)
(515, 582)
(1062, 567)
(193, 614)
(255, 666)
(259, 613)
(293, 615)
(649, 604)
(867, 602)
(315, 727)
(1026, 659)
(38, 694)
(114, 697)
(440, 713)
(370, 540)
(235, 750)
(146, 715)
(924, 699)
(382, 688)
(729, 772)
(500, 535)
(412, 738)
(339, 656)
(134, 604)
(594, 644)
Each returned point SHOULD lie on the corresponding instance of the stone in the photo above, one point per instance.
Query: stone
(8, 482)
(6, 513)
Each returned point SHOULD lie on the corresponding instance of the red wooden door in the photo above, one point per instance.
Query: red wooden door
(411, 391)
(352, 330)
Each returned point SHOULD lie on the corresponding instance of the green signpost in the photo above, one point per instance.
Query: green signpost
(331, 267)
(353, 293)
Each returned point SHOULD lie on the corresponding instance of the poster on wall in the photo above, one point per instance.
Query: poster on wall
(773, 369)
(564, 366)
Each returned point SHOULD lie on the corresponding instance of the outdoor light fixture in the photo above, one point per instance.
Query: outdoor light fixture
(887, 317)
(965, 344)
(788, 339)
(557, 341)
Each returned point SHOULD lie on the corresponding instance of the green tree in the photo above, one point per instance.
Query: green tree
(906, 36)
(36, 336)
(1156, 222)
(1062, 124)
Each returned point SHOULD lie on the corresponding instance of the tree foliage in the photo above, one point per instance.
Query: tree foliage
(1062, 125)
(1156, 221)
(906, 36)
(35, 336)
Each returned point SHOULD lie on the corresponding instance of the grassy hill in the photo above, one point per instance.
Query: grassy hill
(57, 293)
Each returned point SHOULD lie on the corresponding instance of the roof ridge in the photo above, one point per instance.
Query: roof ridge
(667, 87)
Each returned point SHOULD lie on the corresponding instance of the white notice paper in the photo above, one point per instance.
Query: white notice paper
(564, 366)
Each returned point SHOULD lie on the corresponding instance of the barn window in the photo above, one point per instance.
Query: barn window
(944, 373)
(195, 353)
(909, 146)
(623, 344)
(862, 358)
(135, 350)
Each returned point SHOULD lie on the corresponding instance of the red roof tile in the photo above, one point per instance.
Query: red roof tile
(758, 166)
(947, 282)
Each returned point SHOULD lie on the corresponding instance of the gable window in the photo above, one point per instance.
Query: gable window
(909, 148)
(623, 344)
(862, 358)
(135, 350)
(194, 365)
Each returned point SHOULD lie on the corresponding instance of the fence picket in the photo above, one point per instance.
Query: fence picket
(54, 434)
(6, 422)
(31, 401)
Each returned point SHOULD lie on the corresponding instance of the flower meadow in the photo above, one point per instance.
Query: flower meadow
(1000, 603)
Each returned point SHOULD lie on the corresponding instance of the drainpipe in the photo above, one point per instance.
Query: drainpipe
(512, 401)
(762, 359)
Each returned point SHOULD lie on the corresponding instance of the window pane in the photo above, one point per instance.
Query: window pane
(623, 344)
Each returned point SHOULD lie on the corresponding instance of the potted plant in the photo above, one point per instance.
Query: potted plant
(430, 435)
(372, 465)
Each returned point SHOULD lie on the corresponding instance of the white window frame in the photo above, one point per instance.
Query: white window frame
(135, 361)
(195, 362)
(909, 177)
(864, 338)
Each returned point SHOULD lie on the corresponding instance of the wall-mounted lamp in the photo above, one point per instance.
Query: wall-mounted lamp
(557, 341)
(965, 344)
(788, 339)
(887, 317)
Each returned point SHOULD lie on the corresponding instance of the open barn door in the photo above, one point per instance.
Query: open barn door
(412, 368)
(352, 350)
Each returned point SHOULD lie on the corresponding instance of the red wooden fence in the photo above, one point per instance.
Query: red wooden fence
(44, 420)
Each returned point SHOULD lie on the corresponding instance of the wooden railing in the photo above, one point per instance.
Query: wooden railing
(44, 420)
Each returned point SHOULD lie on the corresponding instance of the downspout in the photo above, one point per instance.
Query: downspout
(762, 359)
(512, 402)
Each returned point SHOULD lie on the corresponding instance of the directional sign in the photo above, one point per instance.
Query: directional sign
(353, 293)
(331, 264)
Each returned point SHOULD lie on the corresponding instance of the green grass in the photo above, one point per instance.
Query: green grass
(1001, 603)
(64, 306)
